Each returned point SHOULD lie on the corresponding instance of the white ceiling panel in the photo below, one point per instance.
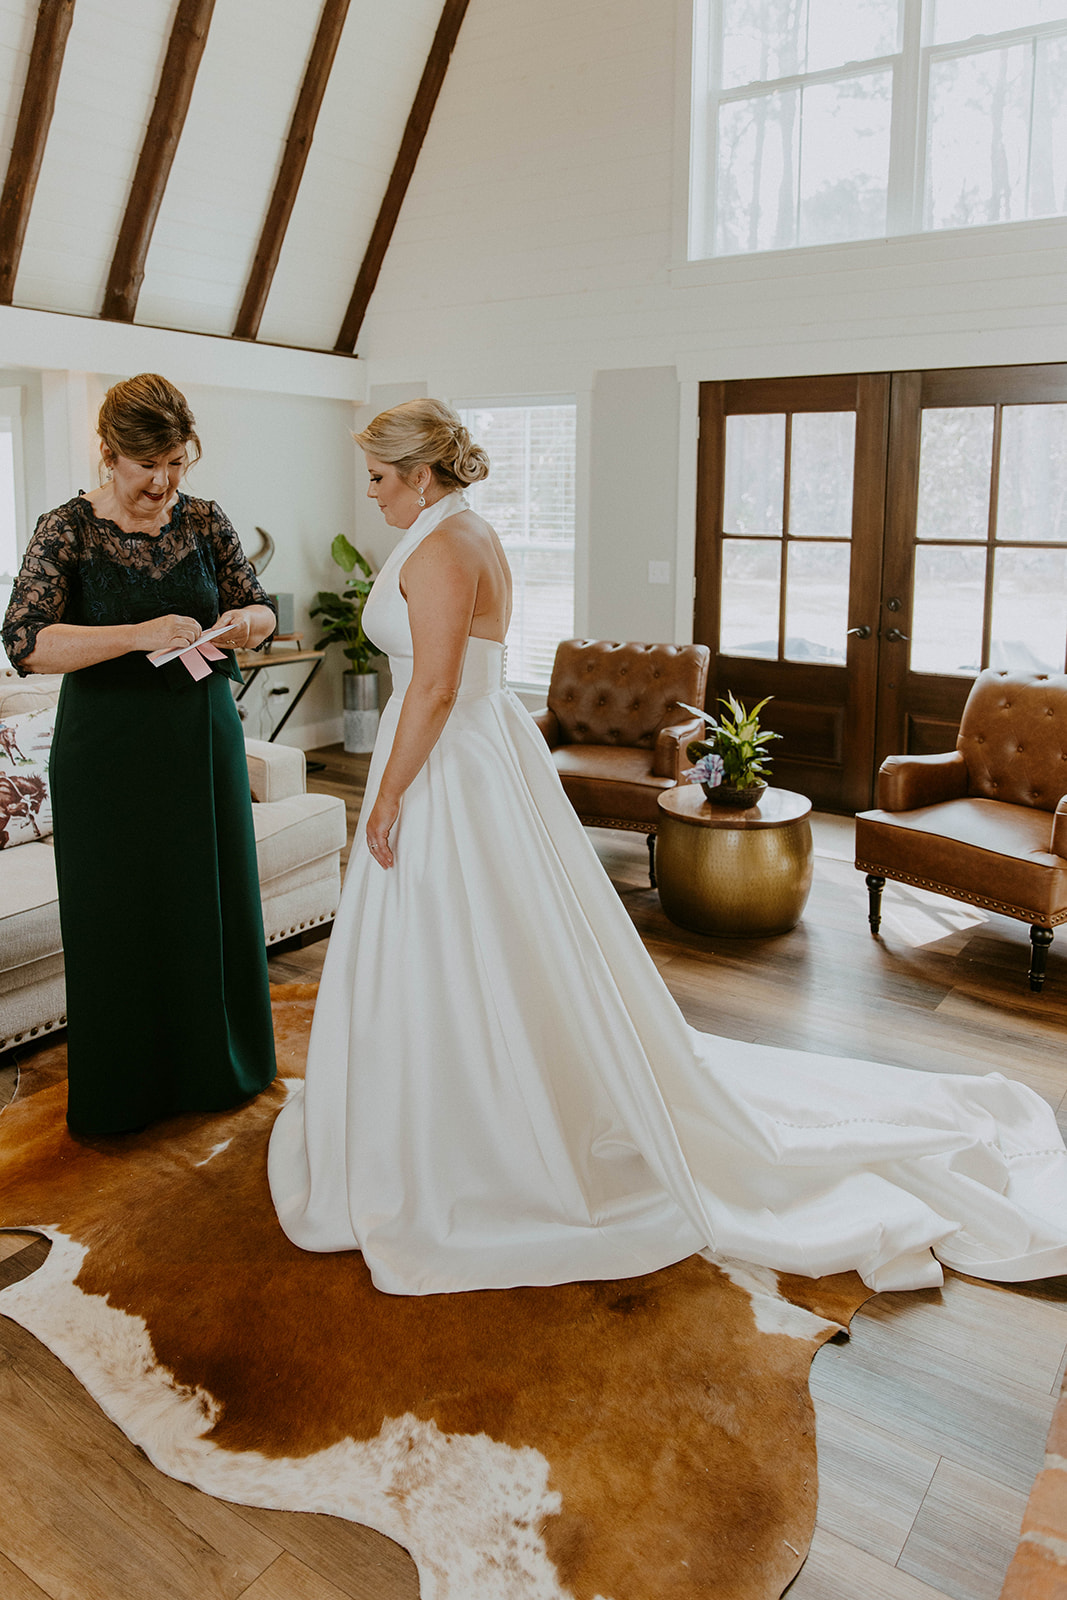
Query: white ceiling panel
(227, 162)
(367, 103)
(105, 97)
(17, 21)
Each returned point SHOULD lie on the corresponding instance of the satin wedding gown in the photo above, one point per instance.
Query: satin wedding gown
(501, 1091)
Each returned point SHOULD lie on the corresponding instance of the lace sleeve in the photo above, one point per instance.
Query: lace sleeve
(234, 573)
(42, 588)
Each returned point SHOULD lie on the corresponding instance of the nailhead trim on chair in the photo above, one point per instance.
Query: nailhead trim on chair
(613, 822)
(298, 927)
(33, 1033)
(1020, 913)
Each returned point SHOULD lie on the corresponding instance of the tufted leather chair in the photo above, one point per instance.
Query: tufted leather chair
(988, 822)
(615, 729)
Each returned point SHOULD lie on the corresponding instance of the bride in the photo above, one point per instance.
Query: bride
(501, 1091)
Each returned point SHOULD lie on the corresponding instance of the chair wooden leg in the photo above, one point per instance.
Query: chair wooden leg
(874, 891)
(651, 860)
(1040, 939)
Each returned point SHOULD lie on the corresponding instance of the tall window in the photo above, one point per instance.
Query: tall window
(817, 121)
(529, 499)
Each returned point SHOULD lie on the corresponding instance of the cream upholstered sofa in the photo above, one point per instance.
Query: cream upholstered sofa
(299, 838)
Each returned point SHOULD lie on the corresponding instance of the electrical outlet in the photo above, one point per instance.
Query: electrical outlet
(659, 572)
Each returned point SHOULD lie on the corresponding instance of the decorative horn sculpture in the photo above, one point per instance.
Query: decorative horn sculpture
(259, 557)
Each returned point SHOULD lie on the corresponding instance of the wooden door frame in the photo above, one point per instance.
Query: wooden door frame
(856, 682)
(915, 708)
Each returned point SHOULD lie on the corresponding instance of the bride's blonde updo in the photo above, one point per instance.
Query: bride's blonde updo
(425, 433)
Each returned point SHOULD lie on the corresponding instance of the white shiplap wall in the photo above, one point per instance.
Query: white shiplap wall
(538, 248)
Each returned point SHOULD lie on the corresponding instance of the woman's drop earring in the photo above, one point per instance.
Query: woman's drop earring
(422, 500)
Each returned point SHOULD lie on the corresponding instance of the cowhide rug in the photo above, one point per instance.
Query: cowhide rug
(651, 1439)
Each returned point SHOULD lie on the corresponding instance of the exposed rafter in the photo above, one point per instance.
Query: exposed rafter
(418, 122)
(31, 133)
(294, 159)
(187, 39)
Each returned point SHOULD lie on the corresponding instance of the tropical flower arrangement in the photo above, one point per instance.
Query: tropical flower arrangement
(734, 756)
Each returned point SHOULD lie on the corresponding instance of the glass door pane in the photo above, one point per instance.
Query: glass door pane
(816, 608)
(1029, 630)
(755, 475)
(1032, 503)
(955, 464)
(820, 477)
(948, 606)
(751, 585)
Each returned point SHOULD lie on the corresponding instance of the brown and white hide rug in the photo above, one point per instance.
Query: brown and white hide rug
(651, 1439)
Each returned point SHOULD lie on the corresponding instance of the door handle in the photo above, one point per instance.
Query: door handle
(896, 637)
(862, 632)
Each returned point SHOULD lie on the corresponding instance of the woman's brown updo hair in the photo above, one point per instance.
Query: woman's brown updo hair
(425, 433)
(145, 417)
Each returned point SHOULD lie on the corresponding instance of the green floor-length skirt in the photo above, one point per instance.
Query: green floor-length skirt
(168, 1006)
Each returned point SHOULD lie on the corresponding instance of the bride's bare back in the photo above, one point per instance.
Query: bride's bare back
(467, 542)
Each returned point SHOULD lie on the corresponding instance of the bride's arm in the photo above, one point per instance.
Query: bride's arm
(441, 586)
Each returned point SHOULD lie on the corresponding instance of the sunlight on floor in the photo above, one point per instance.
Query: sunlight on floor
(915, 916)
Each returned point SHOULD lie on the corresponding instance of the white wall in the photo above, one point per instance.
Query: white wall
(538, 251)
(281, 461)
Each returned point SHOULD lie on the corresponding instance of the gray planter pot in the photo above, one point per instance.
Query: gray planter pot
(361, 711)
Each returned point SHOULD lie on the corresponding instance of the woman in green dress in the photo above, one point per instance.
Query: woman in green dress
(168, 1006)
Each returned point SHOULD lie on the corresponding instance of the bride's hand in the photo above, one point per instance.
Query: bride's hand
(379, 825)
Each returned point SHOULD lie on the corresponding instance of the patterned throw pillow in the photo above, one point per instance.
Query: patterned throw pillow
(25, 804)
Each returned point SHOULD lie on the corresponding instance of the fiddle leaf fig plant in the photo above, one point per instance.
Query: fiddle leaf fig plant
(738, 741)
(342, 614)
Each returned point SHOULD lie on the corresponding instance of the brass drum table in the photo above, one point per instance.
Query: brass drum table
(745, 874)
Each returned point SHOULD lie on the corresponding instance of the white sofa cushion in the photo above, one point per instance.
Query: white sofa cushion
(295, 833)
(29, 914)
(275, 771)
(17, 694)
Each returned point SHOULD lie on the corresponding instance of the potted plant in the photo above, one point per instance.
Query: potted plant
(342, 623)
(732, 763)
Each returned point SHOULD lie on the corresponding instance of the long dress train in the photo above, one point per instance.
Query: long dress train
(501, 1091)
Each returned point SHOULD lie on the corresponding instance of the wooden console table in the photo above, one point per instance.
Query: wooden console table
(253, 662)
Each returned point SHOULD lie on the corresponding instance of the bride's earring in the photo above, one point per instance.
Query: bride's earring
(422, 500)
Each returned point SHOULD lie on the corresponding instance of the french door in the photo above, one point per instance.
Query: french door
(867, 543)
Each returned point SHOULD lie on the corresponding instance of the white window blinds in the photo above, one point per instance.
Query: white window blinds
(529, 499)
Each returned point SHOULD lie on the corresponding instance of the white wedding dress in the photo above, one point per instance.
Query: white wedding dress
(501, 1091)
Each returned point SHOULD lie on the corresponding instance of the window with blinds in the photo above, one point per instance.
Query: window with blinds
(529, 499)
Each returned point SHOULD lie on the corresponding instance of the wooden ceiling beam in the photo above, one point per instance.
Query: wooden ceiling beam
(187, 39)
(31, 133)
(294, 159)
(418, 122)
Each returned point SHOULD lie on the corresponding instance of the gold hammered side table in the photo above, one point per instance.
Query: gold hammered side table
(743, 874)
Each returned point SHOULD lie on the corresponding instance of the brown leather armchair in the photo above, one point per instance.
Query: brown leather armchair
(988, 822)
(616, 730)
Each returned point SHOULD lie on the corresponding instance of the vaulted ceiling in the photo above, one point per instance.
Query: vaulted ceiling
(227, 167)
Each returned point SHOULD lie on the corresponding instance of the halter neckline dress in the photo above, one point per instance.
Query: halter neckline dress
(501, 1091)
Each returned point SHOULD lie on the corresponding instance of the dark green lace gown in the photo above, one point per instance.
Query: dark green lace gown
(168, 1007)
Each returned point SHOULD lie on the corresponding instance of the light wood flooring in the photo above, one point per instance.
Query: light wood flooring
(931, 1419)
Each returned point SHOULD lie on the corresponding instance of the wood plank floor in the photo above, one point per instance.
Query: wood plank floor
(931, 1419)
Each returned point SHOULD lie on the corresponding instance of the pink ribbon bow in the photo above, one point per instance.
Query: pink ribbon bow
(196, 659)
